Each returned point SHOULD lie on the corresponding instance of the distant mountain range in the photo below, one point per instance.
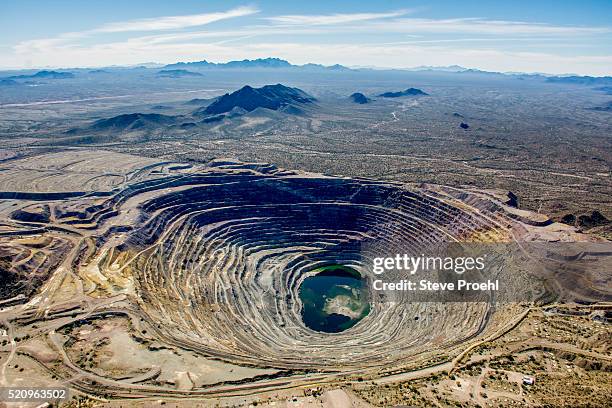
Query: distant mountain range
(407, 92)
(266, 63)
(271, 97)
(581, 80)
(448, 68)
(177, 73)
(44, 75)
(184, 69)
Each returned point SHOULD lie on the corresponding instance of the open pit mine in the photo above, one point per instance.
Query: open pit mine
(186, 281)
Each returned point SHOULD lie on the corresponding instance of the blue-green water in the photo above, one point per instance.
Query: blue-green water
(334, 299)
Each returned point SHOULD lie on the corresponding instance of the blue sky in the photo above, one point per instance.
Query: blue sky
(564, 36)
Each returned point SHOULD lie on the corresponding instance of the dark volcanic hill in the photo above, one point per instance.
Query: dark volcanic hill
(177, 73)
(133, 121)
(360, 98)
(133, 127)
(271, 97)
(407, 92)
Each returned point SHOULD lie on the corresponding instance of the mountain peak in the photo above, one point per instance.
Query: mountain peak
(248, 98)
(360, 98)
(132, 121)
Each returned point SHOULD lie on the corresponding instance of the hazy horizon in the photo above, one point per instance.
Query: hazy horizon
(554, 38)
(155, 64)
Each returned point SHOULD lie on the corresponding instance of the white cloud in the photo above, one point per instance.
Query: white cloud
(174, 22)
(331, 19)
(479, 26)
(144, 24)
(390, 22)
(229, 34)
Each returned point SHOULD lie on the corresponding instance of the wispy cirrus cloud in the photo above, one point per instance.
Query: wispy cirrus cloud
(143, 24)
(331, 19)
(396, 21)
(444, 31)
(480, 26)
(174, 22)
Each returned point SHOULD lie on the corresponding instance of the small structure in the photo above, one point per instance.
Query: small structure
(528, 380)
